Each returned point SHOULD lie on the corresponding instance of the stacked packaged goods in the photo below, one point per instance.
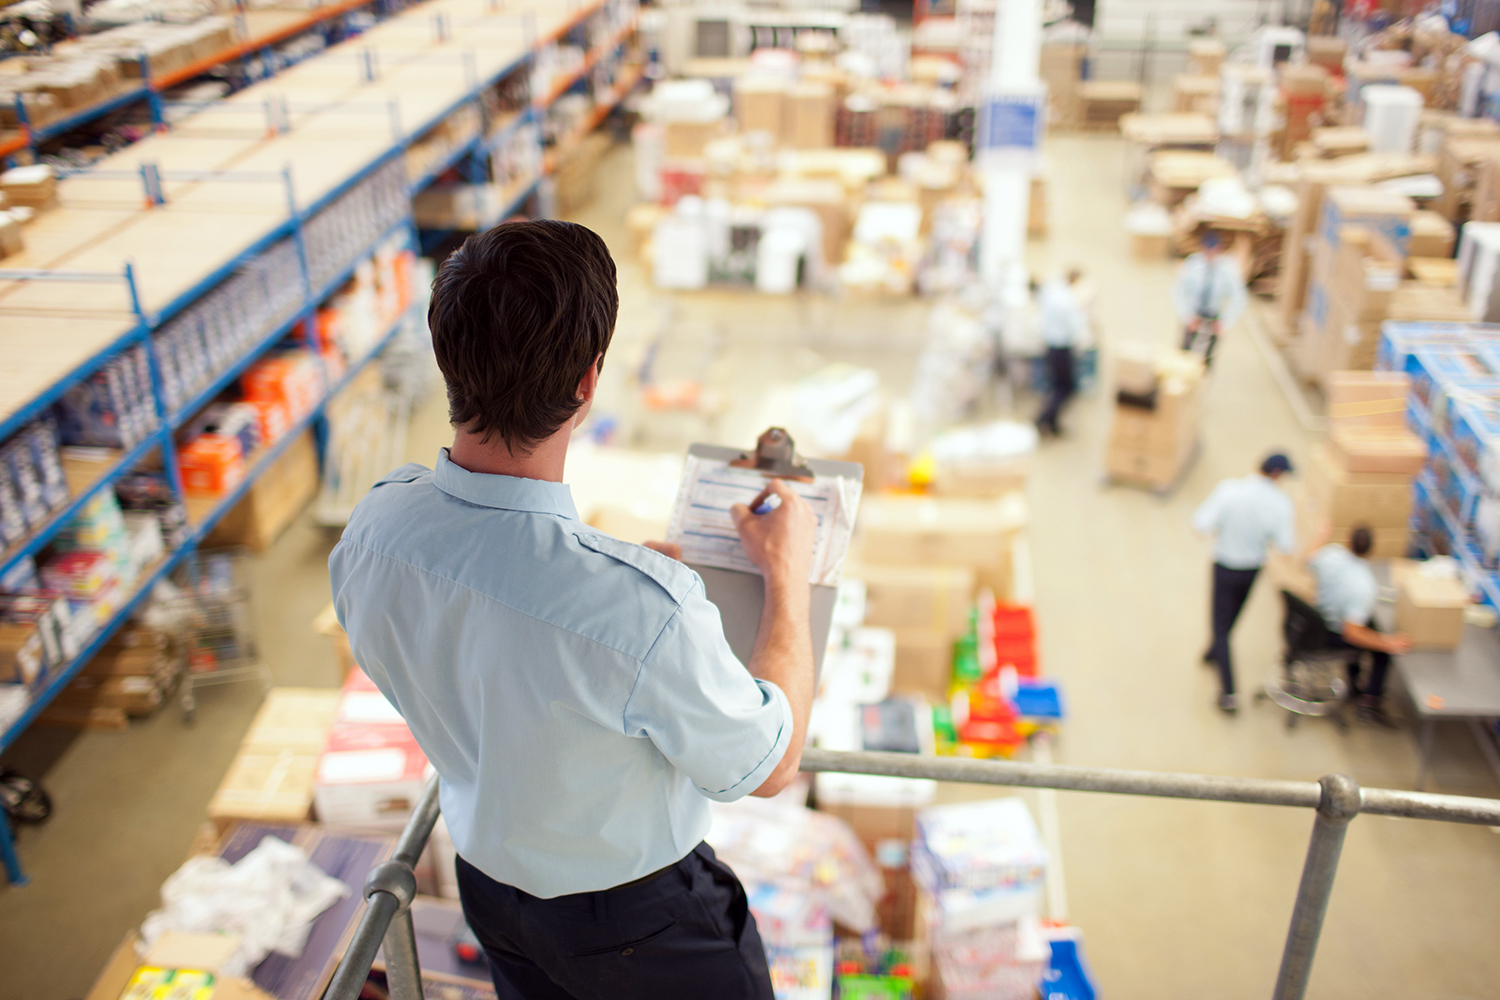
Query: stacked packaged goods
(1154, 432)
(979, 868)
(370, 771)
(1364, 473)
(112, 408)
(1453, 407)
(32, 481)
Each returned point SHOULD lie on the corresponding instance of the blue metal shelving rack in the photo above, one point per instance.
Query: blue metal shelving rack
(169, 421)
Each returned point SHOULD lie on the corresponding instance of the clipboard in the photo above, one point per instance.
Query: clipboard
(739, 593)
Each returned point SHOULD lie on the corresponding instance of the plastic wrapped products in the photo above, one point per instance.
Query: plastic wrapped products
(772, 841)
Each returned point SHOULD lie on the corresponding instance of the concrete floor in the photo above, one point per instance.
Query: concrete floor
(1177, 899)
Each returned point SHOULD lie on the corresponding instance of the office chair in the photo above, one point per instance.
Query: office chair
(1313, 679)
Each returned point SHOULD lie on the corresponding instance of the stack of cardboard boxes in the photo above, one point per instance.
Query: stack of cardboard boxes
(1155, 426)
(1103, 102)
(271, 778)
(922, 559)
(1363, 474)
(1357, 279)
(131, 676)
(1468, 145)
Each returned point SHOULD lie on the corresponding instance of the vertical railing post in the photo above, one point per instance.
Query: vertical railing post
(1340, 804)
(403, 972)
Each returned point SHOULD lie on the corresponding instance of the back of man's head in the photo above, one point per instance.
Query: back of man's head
(518, 315)
(1361, 541)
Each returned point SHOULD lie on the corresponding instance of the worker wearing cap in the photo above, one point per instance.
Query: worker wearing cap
(574, 692)
(1347, 592)
(1209, 296)
(1245, 517)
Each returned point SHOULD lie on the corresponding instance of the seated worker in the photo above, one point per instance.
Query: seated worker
(574, 692)
(1347, 591)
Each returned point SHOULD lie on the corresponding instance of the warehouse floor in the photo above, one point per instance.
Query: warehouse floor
(1176, 899)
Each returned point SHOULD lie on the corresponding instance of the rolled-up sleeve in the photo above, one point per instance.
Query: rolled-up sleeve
(721, 727)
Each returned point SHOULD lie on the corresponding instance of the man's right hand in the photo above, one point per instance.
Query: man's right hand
(1398, 644)
(1193, 324)
(779, 543)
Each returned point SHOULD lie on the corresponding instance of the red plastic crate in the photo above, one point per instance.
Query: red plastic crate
(1014, 621)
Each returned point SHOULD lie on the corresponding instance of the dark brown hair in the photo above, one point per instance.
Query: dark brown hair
(518, 314)
(1361, 540)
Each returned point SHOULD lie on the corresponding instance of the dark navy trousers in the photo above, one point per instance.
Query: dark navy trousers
(688, 933)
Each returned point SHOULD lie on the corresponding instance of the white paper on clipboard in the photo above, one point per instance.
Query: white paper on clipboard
(702, 526)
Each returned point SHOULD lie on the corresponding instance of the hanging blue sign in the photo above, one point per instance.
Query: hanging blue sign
(1011, 123)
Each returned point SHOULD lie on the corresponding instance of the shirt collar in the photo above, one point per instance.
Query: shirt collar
(503, 492)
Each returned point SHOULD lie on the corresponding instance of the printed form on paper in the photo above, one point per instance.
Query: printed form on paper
(702, 526)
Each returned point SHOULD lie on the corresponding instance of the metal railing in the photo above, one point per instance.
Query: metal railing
(1336, 798)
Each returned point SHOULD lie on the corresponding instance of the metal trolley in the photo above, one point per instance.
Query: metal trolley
(212, 622)
(1336, 799)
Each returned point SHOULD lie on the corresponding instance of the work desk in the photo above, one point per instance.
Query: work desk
(1460, 685)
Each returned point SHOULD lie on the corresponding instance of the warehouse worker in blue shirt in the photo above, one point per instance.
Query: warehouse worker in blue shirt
(1347, 592)
(574, 692)
(1064, 327)
(1208, 295)
(1245, 517)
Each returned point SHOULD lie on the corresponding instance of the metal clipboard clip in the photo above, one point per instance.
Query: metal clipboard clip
(775, 457)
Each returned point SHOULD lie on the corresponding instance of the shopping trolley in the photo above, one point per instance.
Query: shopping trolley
(210, 617)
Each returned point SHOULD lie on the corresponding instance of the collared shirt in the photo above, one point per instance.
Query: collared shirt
(1246, 516)
(1347, 588)
(1209, 290)
(1062, 318)
(574, 692)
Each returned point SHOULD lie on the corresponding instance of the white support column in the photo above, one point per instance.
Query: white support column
(1007, 175)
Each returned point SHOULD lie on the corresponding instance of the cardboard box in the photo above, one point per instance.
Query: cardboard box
(1431, 235)
(1377, 500)
(931, 531)
(369, 774)
(327, 623)
(1367, 399)
(938, 598)
(192, 950)
(685, 140)
(267, 784)
(1374, 208)
(808, 123)
(1327, 51)
(295, 718)
(872, 824)
(273, 501)
(1205, 56)
(1149, 246)
(924, 663)
(760, 104)
(1377, 449)
(1429, 609)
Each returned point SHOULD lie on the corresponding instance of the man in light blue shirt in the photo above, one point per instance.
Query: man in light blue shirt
(574, 692)
(1064, 325)
(1245, 517)
(1347, 592)
(1208, 296)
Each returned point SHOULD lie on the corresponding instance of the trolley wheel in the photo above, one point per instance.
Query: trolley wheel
(189, 704)
(1291, 720)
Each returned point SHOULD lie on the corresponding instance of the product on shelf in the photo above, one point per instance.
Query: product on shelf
(32, 484)
(150, 493)
(293, 378)
(211, 465)
(112, 408)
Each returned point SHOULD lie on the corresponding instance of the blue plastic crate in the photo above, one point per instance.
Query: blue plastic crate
(1039, 699)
